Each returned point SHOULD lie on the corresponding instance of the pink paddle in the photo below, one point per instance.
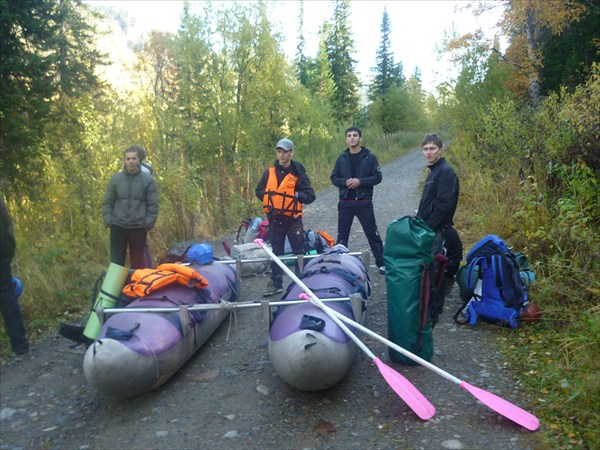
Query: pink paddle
(498, 404)
(401, 386)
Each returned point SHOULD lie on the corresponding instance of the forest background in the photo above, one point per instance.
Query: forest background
(209, 101)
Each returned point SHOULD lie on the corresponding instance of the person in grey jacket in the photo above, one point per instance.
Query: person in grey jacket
(355, 173)
(130, 209)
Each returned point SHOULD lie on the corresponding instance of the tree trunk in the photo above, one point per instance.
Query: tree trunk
(532, 53)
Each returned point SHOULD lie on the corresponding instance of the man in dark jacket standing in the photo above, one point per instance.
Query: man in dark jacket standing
(130, 209)
(355, 173)
(438, 204)
(10, 287)
(283, 189)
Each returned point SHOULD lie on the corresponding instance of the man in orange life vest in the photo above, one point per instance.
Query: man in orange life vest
(283, 189)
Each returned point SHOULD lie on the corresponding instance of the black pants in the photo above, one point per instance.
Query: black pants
(278, 230)
(454, 250)
(11, 311)
(363, 210)
(135, 239)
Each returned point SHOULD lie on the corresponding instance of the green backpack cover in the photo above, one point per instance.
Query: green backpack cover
(408, 251)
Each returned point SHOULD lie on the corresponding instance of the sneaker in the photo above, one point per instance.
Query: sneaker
(382, 270)
(272, 290)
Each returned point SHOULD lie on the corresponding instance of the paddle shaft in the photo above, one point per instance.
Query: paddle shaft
(213, 306)
(283, 258)
(399, 349)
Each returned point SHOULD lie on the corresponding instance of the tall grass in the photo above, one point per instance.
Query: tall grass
(557, 359)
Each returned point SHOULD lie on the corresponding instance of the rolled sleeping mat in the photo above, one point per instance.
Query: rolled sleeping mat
(110, 291)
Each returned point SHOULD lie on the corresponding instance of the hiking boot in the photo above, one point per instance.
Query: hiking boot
(450, 284)
(272, 290)
(21, 350)
(381, 270)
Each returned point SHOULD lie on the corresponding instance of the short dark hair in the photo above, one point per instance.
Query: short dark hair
(141, 153)
(432, 138)
(354, 129)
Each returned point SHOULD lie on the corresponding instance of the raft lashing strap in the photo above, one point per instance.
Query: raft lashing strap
(157, 275)
(313, 323)
(108, 294)
(291, 207)
(121, 335)
(96, 289)
(359, 286)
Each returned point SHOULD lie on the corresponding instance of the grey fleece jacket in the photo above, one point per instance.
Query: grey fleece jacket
(131, 200)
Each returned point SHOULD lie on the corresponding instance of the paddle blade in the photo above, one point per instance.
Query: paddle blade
(504, 407)
(406, 391)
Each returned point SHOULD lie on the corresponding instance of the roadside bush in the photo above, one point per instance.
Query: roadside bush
(532, 177)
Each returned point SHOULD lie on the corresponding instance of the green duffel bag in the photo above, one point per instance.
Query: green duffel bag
(408, 252)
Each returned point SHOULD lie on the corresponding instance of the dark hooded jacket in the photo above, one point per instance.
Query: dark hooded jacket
(7, 238)
(368, 172)
(440, 196)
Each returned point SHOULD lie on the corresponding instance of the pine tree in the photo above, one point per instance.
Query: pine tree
(323, 85)
(340, 46)
(388, 74)
(301, 62)
(47, 53)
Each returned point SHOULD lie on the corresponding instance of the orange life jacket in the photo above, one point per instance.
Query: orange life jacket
(146, 281)
(330, 241)
(281, 199)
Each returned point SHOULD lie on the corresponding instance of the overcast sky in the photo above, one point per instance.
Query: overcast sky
(417, 27)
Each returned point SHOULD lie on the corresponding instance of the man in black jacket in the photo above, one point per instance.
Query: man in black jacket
(283, 189)
(438, 204)
(10, 287)
(355, 173)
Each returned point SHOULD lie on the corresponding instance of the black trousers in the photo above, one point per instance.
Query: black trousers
(135, 239)
(454, 250)
(278, 230)
(11, 311)
(363, 210)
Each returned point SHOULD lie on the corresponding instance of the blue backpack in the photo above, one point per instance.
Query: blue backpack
(493, 284)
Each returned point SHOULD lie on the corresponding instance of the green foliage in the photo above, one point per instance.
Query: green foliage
(387, 73)
(567, 57)
(47, 53)
(531, 177)
(400, 109)
(482, 78)
(340, 46)
(26, 86)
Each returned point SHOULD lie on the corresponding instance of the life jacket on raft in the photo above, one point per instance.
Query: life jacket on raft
(146, 281)
(280, 198)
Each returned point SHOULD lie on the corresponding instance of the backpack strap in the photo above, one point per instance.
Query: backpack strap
(243, 225)
(424, 302)
(460, 317)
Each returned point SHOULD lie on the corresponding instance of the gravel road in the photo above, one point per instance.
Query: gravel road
(228, 397)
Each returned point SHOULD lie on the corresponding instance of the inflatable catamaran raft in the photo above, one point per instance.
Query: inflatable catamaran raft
(135, 352)
(306, 347)
(138, 348)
